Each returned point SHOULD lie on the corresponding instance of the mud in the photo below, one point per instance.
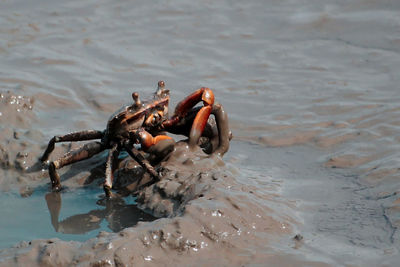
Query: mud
(17, 145)
(204, 211)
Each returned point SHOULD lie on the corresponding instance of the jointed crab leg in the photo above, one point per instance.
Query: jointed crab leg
(76, 136)
(110, 168)
(139, 158)
(84, 152)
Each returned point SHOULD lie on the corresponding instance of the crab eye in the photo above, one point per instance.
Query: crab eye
(161, 91)
(136, 100)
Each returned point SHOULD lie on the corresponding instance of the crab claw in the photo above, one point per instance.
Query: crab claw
(205, 95)
(158, 146)
(199, 123)
(147, 140)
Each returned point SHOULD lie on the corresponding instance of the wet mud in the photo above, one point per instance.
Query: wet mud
(311, 91)
(202, 210)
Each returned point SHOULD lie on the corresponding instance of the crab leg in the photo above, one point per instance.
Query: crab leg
(76, 136)
(139, 158)
(84, 152)
(110, 168)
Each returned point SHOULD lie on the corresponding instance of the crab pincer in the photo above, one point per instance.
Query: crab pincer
(203, 94)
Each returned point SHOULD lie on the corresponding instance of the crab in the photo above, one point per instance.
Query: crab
(142, 126)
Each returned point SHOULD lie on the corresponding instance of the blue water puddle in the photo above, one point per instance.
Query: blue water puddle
(80, 217)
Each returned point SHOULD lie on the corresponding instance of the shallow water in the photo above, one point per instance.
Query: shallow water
(311, 89)
(79, 218)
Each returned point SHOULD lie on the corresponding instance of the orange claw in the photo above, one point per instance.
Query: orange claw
(207, 96)
(203, 94)
(199, 123)
(147, 140)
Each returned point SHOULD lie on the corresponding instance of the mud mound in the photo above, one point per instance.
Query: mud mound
(209, 214)
(186, 175)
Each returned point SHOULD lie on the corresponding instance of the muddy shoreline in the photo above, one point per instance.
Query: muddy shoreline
(208, 213)
(311, 91)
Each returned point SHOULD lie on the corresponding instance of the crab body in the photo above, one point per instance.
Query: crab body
(146, 115)
(145, 123)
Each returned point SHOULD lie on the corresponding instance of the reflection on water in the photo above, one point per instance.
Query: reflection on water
(69, 215)
(116, 212)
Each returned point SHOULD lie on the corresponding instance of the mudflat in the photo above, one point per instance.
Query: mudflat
(311, 91)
